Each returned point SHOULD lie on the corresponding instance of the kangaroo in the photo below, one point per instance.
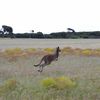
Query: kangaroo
(47, 59)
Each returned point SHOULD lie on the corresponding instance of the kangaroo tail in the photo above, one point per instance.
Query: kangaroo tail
(39, 63)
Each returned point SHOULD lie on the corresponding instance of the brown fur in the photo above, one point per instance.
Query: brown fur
(47, 59)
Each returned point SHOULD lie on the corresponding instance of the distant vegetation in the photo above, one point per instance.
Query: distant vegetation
(65, 35)
(7, 31)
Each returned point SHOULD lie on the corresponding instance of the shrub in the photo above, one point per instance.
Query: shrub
(8, 85)
(86, 52)
(49, 50)
(13, 51)
(64, 82)
(77, 51)
(67, 50)
(58, 83)
(48, 82)
(30, 50)
(96, 52)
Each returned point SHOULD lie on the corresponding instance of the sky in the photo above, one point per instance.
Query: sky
(50, 15)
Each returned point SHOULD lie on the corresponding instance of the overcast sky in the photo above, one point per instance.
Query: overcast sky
(50, 15)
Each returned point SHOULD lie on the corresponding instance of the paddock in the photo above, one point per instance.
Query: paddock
(25, 80)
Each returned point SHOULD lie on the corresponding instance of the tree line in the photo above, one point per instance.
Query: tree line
(58, 35)
(7, 31)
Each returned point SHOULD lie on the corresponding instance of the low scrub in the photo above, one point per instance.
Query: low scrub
(30, 50)
(7, 86)
(13, 51)
(58, 83)
(49, 50)
(87, 52)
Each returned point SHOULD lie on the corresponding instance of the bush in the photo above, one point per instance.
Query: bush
(49, 50)
(48, 82)
(64, 82)
(13, 51)
(30, 50)
(67, 50)
(58, 83)
(86, 52)
(8, 85)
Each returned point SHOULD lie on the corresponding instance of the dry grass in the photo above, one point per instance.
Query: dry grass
(84, 69)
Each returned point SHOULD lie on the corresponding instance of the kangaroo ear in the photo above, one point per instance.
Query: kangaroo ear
(58, 47)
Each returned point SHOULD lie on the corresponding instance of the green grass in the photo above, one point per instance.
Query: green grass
(83, 70)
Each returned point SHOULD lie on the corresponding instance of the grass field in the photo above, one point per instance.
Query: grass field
(20, 80)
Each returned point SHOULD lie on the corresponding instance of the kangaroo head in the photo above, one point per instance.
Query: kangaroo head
(58, 49)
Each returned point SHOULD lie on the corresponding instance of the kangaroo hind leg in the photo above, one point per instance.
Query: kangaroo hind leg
(41, 67)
